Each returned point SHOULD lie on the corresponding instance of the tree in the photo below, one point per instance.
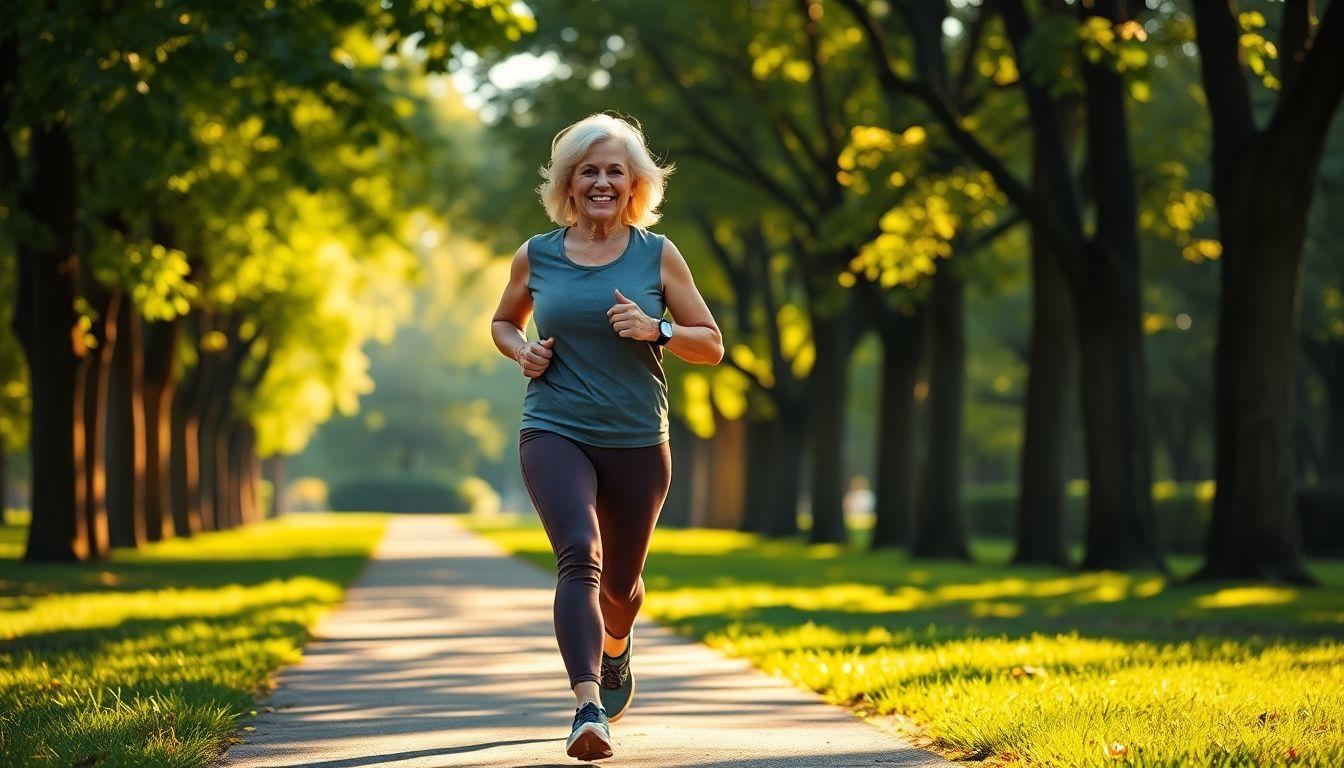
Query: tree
(1102, 267)
(1263, 182)
(158, 63)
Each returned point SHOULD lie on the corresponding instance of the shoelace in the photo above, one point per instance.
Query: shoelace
(588, 714)
(613, 673)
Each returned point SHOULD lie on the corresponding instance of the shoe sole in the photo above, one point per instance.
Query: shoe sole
(589, 744)
(626, 708)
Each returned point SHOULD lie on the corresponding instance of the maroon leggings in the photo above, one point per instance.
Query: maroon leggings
(598, 506)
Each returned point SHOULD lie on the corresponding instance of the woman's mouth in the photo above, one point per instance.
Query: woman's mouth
(601, 198)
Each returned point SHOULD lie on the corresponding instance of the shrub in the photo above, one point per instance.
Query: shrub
(1183, 513)
(400, 492)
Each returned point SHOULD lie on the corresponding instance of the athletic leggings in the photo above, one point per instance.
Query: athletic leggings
(598, 506)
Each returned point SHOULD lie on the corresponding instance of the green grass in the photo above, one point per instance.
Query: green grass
(1018, 666)
(151, 658)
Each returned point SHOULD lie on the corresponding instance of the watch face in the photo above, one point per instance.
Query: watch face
(665, 328)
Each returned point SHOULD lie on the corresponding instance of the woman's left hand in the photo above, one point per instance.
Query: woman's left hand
(629, 321)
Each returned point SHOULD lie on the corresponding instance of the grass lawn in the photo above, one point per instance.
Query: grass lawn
(1017, 666)
(151, 658)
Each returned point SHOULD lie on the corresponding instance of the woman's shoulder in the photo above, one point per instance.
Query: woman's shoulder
(544, 243)
(651, 239)
(555, 235)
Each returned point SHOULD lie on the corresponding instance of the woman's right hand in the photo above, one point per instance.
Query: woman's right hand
(535, 356)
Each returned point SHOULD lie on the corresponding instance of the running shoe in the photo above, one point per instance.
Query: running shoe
(617, 687)
(591, 737)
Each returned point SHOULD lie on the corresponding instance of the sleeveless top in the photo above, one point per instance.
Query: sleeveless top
(600, 388)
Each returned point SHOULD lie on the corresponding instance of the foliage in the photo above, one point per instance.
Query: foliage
(153, 657)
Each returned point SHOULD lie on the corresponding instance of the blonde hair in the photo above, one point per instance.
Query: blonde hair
(647, 178)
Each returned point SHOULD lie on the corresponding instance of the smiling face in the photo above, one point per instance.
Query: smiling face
(600, 186)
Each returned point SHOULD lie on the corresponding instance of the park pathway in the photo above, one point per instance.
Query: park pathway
(443, 655)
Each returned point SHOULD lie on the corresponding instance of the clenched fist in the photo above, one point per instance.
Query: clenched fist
(629, 321)
(535, 356)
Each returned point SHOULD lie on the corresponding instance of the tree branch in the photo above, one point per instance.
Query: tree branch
(1067, 239)
(820, 101)
(775, 120)
(961, 91)
(1217, 32)
(1308, 104)
(744, 157)
(1295, 30)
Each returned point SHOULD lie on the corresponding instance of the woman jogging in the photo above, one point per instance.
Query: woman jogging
(593, 444)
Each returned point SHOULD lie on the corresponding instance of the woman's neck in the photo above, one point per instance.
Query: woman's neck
(599, 231)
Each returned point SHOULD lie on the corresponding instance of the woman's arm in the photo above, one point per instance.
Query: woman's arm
(515, 306)
(695, 337)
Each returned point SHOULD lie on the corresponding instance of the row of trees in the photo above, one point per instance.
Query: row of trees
(849, 164)
(204, 208)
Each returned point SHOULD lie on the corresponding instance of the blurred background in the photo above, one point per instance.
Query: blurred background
(967, 260)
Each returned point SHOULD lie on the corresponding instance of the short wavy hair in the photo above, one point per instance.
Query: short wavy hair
(648, 178)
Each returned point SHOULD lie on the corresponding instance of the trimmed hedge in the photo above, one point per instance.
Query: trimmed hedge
(1183, 512)
(402, 492)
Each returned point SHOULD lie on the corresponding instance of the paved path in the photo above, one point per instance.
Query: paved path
(443, 655)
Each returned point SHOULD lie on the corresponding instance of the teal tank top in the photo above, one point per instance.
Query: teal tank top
(600, 389)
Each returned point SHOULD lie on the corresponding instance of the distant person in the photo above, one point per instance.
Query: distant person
(594, 441)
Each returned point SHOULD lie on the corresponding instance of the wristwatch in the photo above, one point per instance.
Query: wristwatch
(664, 332)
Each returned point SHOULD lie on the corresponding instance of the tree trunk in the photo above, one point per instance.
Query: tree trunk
(185, 455)
(939, 530)
(894, 486)
(828, 393)
(677, 507)
(48, 327)
(97, 368)
(699, 482)
(788, 457)
(157, 386)
(4, 485)
(1121, 522)
(760, 469)
(1048, 413)
(126, 436)
(728, 473)
(1253, 532)
(273, 470)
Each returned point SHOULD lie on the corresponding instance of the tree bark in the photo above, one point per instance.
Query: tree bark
(677, 507)
(185, 458)
(1048, 413)
(126, 436)
(760, 471)
(727, 474)
(48, 328)
(789, 457)
(96, 371)
(1253, 532)
(1263, 183)
(827, 395)
(157, 387)
(1121, 522)
(939, 530)
(895, 472)
(273, 470)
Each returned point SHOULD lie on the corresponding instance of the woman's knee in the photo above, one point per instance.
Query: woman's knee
(579, 560)
(622, 592)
